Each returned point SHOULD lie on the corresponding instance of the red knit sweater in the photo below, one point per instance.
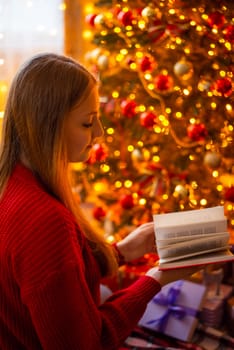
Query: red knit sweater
(49, 279)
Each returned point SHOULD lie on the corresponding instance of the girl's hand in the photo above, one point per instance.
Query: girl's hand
(138, 242)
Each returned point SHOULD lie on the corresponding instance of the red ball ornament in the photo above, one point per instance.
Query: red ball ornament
(99, 213)
(147, 119)
(156, 31)
(146, 64)
(229, 33)
(223, 86)
(127, 201)
(90, 19)
(125, 18)
(197, 132)
(229, 194)
(216, 20)
(163, 82)
(98, 153)
(128, 108)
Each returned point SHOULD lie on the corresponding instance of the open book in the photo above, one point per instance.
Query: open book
(193, 237)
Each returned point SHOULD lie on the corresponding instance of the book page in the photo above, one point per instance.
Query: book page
(199, 228)
(189, 217)
(193, 246)
(200, 260)
(161, 243)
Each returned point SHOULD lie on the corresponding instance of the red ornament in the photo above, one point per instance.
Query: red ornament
(128, 108)
(90, 19)
(163, 82)
(147, 119)
(99, 213)
(216, 20)
(197, 132)
(127, 201)
(146, 64)
(125, 18)
(157, 31)
(229, 194)
(223, 86)
(229, 33)
(98, 153)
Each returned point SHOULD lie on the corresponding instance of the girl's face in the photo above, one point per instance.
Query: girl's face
(83, 127)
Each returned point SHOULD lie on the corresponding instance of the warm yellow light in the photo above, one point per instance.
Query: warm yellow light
(211, 53)
(128, 183)
(117, 30)
(105, 168)
(117, 153)
(87, 34)
(203, 202)
(156, 159)
(124, 51)
(141, 24)
(115, 94)
(148, 76)
(142, 201)
(165, 196)
(141, 108)
(118, 184)
(110, 131)
(130, 148)
(1, 114)
(88, 8)
(215, 173)
(150, 86)
(213, 105)
(228, 107)
(139, 54)
(186, 92)
(219, 188)
(178, 115)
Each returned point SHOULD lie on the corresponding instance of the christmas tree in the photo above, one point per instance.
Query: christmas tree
(166, 84)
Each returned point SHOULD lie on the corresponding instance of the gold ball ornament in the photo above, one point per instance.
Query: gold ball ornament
(181, 191)
(212, 160)
(148, 12)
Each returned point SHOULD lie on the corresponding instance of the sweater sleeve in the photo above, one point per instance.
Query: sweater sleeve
(66, 317)
(53, 279)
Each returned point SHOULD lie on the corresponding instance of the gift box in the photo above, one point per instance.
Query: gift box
(175, 309)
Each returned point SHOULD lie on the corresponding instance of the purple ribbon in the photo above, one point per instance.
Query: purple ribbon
(169, 300)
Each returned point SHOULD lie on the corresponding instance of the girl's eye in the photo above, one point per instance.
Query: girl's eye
(88, 125)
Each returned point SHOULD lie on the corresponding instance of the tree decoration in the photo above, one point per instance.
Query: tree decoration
(229, 194)
(216, 19)
(197, 132)
(127, 201)
(128, 108)
(163, 82)
(165, 71)
(212, 160)
(98, 213)
(223, 86)
(183, 69)
(148, 119)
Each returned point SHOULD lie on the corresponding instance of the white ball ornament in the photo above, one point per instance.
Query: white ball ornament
(103, 62)
(99, 20)
(183, 69)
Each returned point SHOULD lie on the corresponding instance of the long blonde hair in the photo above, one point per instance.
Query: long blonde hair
(43, 91)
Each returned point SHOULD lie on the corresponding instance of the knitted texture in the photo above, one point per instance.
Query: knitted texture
(49, 279)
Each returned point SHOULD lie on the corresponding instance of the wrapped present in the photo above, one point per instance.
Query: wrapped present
(175, 309)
